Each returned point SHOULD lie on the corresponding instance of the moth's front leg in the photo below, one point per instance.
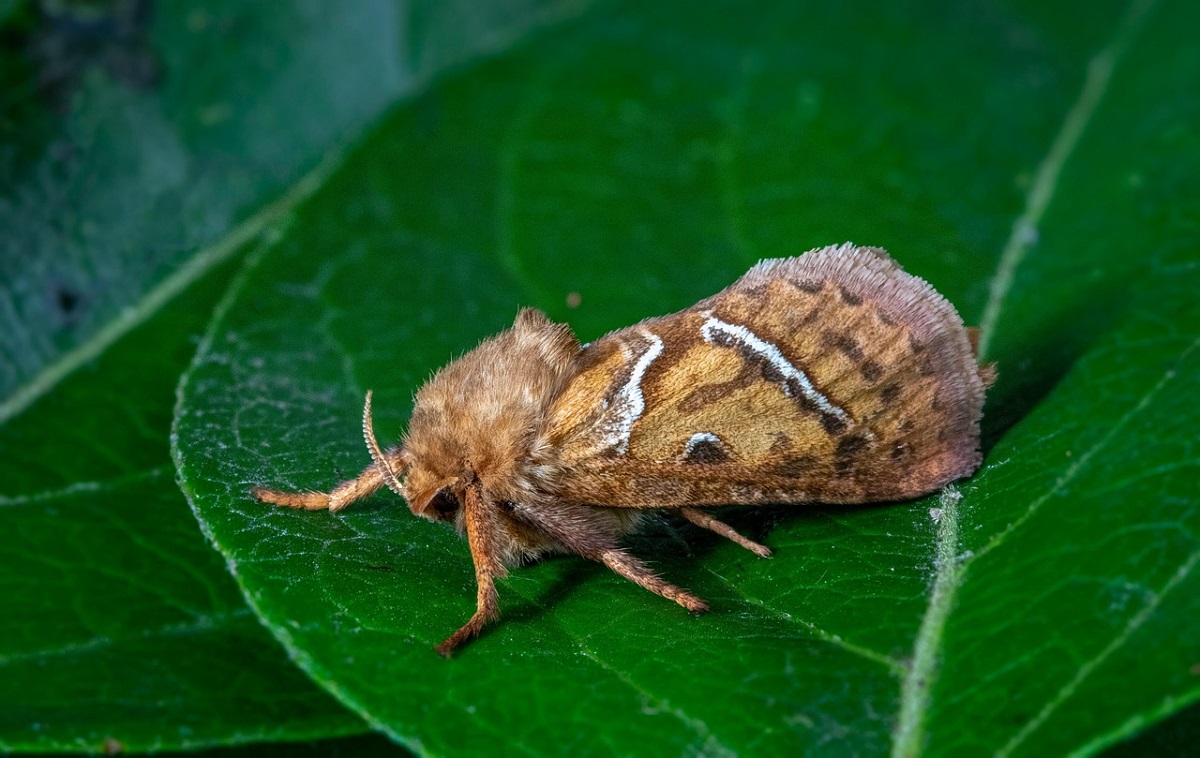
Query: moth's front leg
(364, 485)
(482, 529)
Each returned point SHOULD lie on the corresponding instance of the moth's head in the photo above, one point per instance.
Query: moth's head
(477, 417)
(434, 497)
(429, 495)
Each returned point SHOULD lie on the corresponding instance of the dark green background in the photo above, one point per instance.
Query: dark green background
(274, 209)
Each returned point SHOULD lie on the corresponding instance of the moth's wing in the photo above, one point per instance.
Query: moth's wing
(832, 377)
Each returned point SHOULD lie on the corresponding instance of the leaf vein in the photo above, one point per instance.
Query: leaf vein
(894, 667)
(1084, 671)
(1083, 460)
(712, 746)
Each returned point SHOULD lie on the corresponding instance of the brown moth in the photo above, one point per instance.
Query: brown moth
(833, 377)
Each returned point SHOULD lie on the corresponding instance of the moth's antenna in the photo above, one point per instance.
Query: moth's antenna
(381, 461)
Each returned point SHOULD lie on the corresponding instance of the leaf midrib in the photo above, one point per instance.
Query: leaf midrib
(195, 267)
(950, 574)
(82, 489)
(1025, 233)
(207, 258)
(202, 624)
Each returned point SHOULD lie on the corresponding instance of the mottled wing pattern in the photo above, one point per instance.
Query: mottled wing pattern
(831, 377)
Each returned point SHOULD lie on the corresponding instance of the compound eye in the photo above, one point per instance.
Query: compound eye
(444, 504)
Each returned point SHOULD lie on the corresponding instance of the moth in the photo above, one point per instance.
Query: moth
(832, 377)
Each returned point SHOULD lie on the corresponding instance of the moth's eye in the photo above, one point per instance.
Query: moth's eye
(444, 504)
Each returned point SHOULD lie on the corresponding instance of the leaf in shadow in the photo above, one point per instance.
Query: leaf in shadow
(149, 143)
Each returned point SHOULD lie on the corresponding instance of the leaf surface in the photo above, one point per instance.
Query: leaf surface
(140, 148)
(641, 159)
(122, 627)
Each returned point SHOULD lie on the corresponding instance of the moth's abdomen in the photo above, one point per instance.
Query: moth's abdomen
(830, 377)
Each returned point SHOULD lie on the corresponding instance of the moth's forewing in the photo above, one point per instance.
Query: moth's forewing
(832, 377)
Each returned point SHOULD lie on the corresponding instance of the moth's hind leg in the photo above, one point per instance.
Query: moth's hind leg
(364, 485)
(602, 547)
(705, 521)
(640, 574)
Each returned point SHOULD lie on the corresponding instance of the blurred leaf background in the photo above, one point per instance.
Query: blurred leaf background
(229, 221)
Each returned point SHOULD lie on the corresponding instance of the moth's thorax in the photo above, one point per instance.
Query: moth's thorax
(479, 416)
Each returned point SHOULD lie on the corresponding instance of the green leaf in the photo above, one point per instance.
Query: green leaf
(138, 149)
(1038, 166)
(334, 747)
(121, 626)
(138, 152)
(1172, 735)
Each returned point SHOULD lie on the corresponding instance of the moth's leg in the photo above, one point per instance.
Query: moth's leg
(603, 548)
(364, 485)
(482, 522)
(345, 493)
(640, 574)
(705, 521)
